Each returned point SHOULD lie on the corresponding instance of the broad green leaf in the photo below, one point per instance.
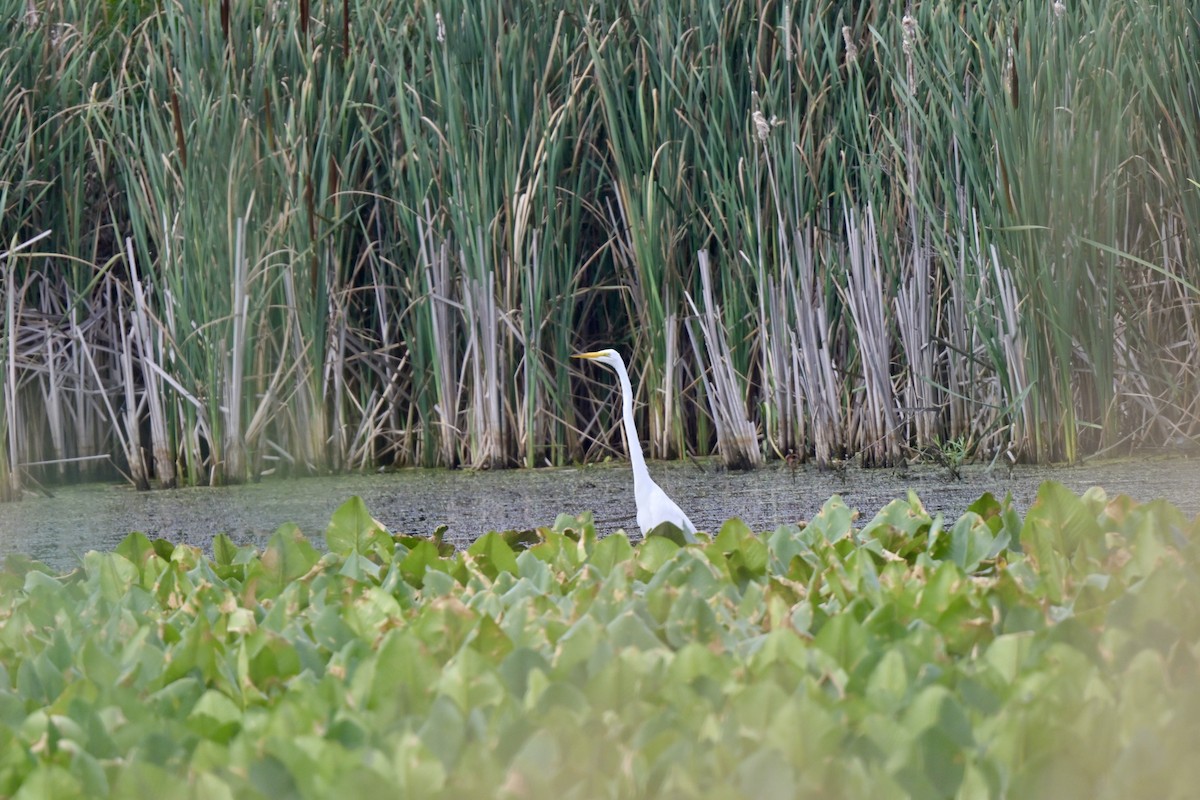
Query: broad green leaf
(444, 731)
(844, 638)
(745, 553)
(944, 587)
(418, 769)
(224, 550)
(971, 541)
(833, 522)
(1001, 518)
(1058, 527)
(901, 527)
(579, 527)
(522, 539)
(766, 773)
(168, 550)
(288, 556)
(578, 643)
(215, 717)
(136, 548)
(610, 551)
(492, 555)
(491, 640)
(1008, 653)
(421, 557)
(790, 554)
(517, 666)
(110, 574)
(352, 529)
(358, 567)
(888, 684)
(691, 619)
(49, 781)
(668, 530)
(653, 552)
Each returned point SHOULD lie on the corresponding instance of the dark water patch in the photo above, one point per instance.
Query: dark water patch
(59, 530)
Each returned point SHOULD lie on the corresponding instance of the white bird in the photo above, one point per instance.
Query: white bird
(654, 507)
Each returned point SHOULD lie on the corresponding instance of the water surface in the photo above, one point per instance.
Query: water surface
(59, 530)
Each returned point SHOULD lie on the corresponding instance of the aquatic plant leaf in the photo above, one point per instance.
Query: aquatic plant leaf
(1059, 529)
(745, 553)
(834, 520)
(166, 549)
(492, 555)
(224, 550)
(901, 527)
(668, 530)
(423, 556)
(820, 658)
(359, 567)
(971, 541)
(522, 539)
(110, 574)
(444, 730)
(352, 529)
(610, 551)
(654, 551)
(844, 638)
(215, 716)
(288, 556)
(136, 548)
(630, 630)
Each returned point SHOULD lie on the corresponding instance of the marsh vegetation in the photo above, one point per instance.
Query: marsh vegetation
(243, 238)
(1049, 656)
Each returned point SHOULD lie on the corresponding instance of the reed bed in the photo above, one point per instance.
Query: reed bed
(244, 238)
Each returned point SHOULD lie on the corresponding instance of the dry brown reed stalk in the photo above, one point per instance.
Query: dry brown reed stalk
(131, 408)
(784, 429)
(153, 386)
(231, 465)
(725, 389)
(485, 426)
(922, 401)
(1022, 432)
(118, 429)
(308, 419)
(442, 340)
(10, 464)
(52, 399)
(11, 421)
(812, 342)
(864, 295)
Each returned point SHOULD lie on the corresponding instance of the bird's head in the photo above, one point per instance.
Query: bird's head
(609, 357)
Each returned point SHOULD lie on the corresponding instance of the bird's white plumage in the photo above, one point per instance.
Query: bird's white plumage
(654, 507)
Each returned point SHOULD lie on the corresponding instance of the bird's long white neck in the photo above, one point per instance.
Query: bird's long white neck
(636, 459)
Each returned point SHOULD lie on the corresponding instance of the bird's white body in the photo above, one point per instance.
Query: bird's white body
(654, 507)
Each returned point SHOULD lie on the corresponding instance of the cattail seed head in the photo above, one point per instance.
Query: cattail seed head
(851, 47)
(787, 32)
(761, 126)
(1060, 8)
(909, 25)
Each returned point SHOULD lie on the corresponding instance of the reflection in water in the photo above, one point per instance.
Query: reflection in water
(61, 529)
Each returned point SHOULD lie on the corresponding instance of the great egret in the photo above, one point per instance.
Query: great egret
(653, 505)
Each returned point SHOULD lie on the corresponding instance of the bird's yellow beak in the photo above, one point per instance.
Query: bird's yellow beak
(594, 354)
